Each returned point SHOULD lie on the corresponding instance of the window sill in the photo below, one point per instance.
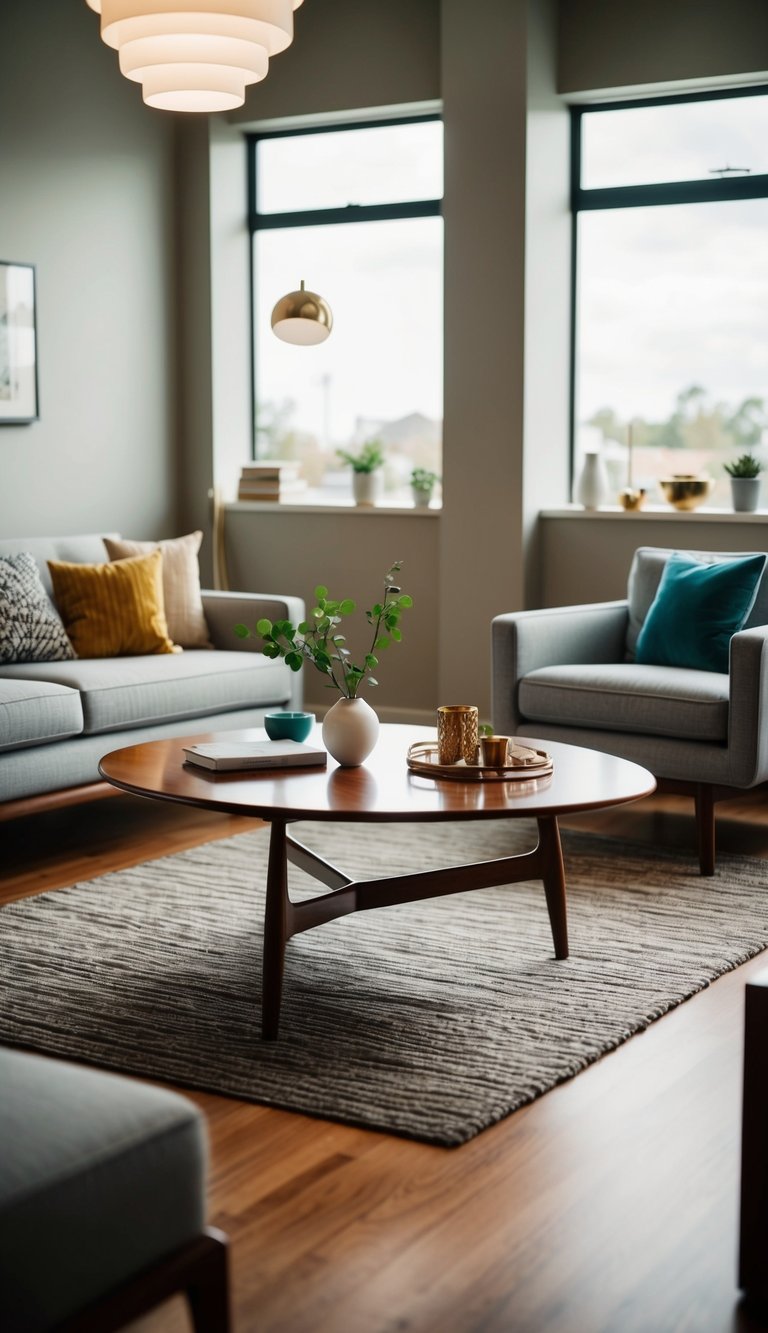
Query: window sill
(335, 507)
(656, 513)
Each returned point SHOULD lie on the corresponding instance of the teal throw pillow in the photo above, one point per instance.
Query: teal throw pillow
(696, 611)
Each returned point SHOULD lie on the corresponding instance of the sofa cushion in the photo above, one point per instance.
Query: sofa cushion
(181, 584)
(88, 549)
(112, 610)
(33, 712)
(133, 691)
(697, 610)
(30, 627)
(628, 697)
(645, 575)
(103, 1176)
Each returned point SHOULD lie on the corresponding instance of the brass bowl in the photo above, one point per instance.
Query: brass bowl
(683, 491)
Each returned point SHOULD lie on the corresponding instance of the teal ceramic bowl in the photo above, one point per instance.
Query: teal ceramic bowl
(288, 726)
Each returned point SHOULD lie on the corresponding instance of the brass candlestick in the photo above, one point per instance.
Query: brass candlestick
(632, 497)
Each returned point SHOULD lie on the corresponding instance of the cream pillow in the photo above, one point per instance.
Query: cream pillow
(113, 610)
(181, 584)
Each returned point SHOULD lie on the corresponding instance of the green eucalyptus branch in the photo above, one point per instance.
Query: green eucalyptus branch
(319, 641)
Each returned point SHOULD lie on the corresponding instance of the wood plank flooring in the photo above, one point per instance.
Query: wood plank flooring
(608, 1206)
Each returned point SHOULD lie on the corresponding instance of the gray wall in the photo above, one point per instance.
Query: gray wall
(86, 194)
(618, 44)
(351, 552)
(586, 557)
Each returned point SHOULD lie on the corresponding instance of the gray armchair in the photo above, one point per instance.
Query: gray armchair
(569, 674)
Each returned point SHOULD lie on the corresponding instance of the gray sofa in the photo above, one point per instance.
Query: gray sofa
(57, 719)
(102, 1201)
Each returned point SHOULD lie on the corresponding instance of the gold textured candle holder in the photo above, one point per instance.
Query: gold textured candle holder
(457, 733)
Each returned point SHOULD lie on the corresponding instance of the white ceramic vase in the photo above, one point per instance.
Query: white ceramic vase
(421, 499)
(366, 487)
(592, 486)
(350, 731)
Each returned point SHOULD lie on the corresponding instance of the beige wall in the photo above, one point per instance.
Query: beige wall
(86, 194)
(586, 557)
(350, 553)
(614, 45)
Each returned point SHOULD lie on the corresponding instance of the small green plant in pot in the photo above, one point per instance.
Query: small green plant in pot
(350, 727)
(423, 483)
(745, 482)
(366, 474)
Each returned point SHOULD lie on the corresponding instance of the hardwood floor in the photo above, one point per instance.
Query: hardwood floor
(608, 1206)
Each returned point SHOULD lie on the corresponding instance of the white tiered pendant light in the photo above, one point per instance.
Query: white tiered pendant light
(196, 55)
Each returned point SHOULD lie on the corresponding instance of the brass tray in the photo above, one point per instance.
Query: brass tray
(529, 763)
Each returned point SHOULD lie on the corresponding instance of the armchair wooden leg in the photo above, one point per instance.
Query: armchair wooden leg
(704, 797)
(753, 1238)
(198, 1269)
(208, 1289)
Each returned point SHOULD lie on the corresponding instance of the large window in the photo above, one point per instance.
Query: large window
(353, 212)
(670, 201)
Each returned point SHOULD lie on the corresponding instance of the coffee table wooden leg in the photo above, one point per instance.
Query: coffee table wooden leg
(553, 875)
(277, 931)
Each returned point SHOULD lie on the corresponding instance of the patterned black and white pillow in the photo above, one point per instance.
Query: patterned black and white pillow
(30, 629)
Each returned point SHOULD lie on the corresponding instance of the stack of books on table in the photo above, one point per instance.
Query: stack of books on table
(273, 480)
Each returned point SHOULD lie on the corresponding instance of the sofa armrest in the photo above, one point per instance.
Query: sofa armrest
(224, 610)
(748, 707)
(523, 641)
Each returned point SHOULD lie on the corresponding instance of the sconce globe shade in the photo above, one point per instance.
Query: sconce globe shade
(303, 318)
(196, 55)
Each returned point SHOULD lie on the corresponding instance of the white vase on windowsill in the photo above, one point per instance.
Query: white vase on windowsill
(366, 487)
(592, 486)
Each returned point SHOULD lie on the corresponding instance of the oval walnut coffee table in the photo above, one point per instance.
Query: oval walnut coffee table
(383, 790)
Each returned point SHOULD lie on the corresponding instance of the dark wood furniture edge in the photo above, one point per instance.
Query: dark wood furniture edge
(753, 1227)
(283, 918)
(56, 800)
(199, 1269)
(705, 796)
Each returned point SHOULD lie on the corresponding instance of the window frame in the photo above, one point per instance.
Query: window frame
(730, 189)
(350, 214)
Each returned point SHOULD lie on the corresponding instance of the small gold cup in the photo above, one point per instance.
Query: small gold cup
(457, 728)
(632, 498)
(495, 751)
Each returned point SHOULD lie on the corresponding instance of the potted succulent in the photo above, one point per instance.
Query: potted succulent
(350, 726)
(745, 482)
(422, 485)
(366, 477)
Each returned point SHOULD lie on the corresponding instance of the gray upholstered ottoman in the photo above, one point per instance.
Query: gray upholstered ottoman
(102, 1199)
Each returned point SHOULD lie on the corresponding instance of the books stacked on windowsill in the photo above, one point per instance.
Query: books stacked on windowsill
(273, 480)
(227, 756)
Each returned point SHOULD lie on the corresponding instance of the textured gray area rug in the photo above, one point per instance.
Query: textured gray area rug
(432, 1020)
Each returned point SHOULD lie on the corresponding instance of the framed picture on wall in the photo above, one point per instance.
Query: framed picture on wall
(18, 344)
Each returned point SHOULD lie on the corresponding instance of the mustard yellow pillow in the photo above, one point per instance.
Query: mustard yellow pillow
(113, 610)
(181, 584)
